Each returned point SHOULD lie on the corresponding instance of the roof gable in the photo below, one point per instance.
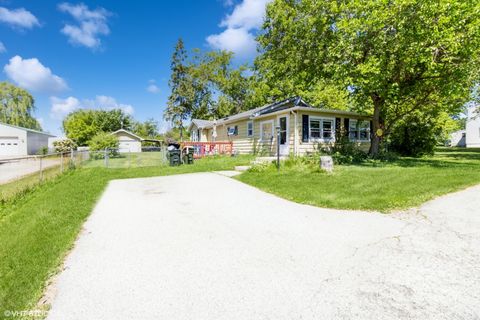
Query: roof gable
(27, 129)
(127, 133)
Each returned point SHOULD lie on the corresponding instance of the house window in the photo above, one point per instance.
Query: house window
(249, 128)
(359, 130)
(232, 131)
(321, 128)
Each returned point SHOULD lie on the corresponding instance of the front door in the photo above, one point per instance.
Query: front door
(284, 143)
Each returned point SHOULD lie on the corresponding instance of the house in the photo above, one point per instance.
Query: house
(130, 142)
(18, 141)
(473, 127)
(302, 128)
(458, 138)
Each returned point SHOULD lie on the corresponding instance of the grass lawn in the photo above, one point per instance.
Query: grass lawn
(130, 160)
(39, 227)
(405, 183)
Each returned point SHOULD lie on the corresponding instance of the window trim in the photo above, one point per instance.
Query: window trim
(357, 129)
(321, 120)
(261, 129)
(248, 130)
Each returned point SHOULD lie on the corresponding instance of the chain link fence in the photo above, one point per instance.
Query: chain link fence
(18, 174)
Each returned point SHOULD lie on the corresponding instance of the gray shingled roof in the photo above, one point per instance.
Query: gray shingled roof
(263, 110)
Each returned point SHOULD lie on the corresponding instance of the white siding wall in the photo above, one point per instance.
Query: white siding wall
(473, 128)
(36, 141)
(13, 135)
(128, 143)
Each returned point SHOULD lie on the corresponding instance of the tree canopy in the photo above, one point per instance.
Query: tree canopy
(82, 125)
(394, 58)
(17, 106)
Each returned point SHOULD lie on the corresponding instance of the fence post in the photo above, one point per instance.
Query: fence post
(105, 157)
(61, 162)
(41, 170)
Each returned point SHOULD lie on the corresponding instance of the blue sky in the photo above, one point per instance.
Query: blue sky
(113, 53)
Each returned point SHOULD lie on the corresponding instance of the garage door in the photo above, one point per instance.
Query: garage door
(9, 146)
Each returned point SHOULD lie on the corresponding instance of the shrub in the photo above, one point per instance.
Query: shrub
(65, 145)
(343, 151)
(102, 141)
(42, 151)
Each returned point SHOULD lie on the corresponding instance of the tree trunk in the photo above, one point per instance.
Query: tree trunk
(377, 123)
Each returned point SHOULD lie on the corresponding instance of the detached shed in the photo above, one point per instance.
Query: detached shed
(128, 141)
(18, 141)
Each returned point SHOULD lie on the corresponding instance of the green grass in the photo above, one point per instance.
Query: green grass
(130, 160)
(405, 183)
(39, 227)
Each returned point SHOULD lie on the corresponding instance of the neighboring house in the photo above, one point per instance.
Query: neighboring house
(458, 138)
(130, 142)
(473, 127)
(302, 128)
(18, 141)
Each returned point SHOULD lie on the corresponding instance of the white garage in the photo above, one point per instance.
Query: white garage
(128, 141)
(18, 141)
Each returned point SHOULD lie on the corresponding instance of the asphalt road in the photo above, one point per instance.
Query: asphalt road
(205, 246)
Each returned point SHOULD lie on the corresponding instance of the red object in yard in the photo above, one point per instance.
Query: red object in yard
(203, 149)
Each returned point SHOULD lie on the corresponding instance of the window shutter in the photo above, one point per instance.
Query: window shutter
(236, 130)
(346, 125)
(305, 128)
(338, 129)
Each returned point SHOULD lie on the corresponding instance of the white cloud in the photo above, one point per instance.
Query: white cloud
(18, 18)
(109, 103)
(91, 24)
(241, 24)
(2, 47)
(249, 15)
(152, 87)
(31, 74)
(61, 107)
(239, 41)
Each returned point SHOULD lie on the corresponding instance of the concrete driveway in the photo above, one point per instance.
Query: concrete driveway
(204, 246)
(14, 169)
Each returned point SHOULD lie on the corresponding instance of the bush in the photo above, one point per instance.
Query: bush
(42, 151)
(102, 141)
(415, 136)
(65, 145)
(344, 152)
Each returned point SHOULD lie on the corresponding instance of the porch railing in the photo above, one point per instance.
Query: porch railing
(203, 149)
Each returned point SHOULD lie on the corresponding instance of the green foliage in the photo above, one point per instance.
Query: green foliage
(82, 125)
(207, 85)
(65, 145)
(146, 129)
(393, 57)
(103, 141)
(17, 106)
(416, 135)
(42, 151)
(344, 151)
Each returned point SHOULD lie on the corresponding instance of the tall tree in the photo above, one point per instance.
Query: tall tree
(181, 100)
(17, 106)
(82, 125)
(395, 58)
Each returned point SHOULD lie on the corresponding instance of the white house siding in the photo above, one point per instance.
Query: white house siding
(128, 143)
(311, 145)
(473, 128)
(36, 141)
(13, 141)
(245, 145)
